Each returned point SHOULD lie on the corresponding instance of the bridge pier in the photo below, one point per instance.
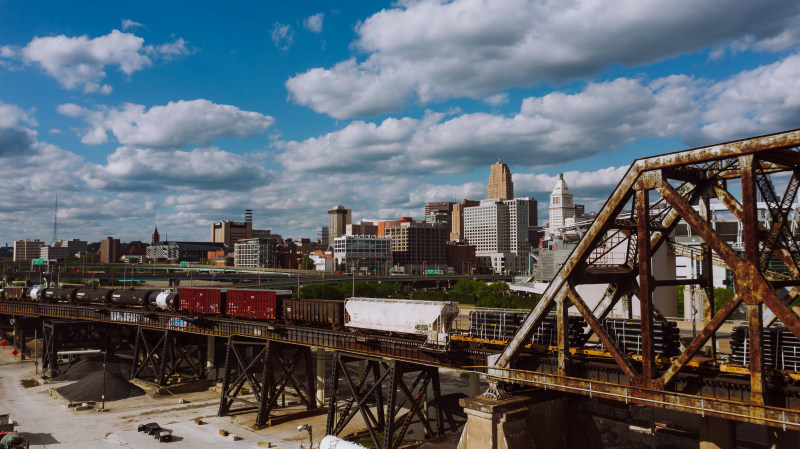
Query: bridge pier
(540, 419)
(267, 367)
(164, 356)
(377, 388)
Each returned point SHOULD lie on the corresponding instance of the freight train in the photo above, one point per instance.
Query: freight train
(431, 319)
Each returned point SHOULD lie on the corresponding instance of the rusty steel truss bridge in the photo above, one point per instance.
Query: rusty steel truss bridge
(637, 220)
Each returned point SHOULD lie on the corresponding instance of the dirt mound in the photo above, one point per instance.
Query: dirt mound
(90, 388)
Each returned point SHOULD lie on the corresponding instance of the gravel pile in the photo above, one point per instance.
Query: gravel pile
(88, 372)
(90, 388)
(83, 366)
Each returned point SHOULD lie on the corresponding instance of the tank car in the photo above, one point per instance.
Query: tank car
(93, 296)
(135, 298)
(165, 300)
(55, 294)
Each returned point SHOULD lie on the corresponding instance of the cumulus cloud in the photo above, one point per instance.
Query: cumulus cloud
(314, 23)
(548, 130)
(81, 62)
(282, 35)
(135, 169)
(432, 50)
(174, 125)
(765, 99)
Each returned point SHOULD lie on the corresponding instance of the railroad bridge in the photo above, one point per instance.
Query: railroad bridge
(636, 222)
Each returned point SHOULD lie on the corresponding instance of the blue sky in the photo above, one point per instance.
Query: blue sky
(184, 113)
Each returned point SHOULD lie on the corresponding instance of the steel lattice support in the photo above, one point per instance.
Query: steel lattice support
(165, 357)
(267, 368)
(368, 382)
(654, 196)
(60, 335)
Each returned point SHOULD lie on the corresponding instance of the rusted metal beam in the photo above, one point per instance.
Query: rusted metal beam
(754, 333)
(645, 288)
(705, 334)
(698, 225)
(786, 418)
(621, 360)
(562, 324)
(707, 288)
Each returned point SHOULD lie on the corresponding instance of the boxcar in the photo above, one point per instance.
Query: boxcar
(256, 304)
(203, 301)
(317, 312)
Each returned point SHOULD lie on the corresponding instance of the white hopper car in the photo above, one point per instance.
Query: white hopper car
(433, 319)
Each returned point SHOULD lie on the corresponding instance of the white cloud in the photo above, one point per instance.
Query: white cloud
(553, 129)
(80, 61)
(134, 169)
(128, 24)
(432, 50)
(12, 116)
(314, 23)
(765, 99)
(282, 35)
(174, 125)
(173, 49)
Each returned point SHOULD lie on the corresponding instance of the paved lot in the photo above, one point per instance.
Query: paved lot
(48, 423)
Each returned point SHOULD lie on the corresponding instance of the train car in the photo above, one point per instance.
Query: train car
(165, 300)
(202, 301)
(14, 293)
(256, 304)
(314, 312)
(36, 293)
(55, 294)
(135, 298)
(93, 296)
(432, 319)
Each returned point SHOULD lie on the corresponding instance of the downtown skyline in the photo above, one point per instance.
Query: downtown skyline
(179, 115)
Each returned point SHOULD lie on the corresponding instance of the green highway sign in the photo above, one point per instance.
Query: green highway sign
(39, 261)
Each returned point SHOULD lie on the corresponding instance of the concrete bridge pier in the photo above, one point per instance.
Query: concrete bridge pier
(540, 420)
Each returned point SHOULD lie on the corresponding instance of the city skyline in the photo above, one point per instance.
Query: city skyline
(181, 115)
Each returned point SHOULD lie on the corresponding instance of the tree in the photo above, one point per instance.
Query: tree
(306, 263)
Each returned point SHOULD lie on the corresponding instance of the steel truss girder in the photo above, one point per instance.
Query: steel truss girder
(267, 368)
(165, 357)
(387, 379)
(60, 334)
(701, 173)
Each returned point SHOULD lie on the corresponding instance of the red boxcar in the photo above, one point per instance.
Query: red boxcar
(256, 304)
(204, 301)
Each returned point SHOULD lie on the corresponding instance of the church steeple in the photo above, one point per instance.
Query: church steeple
(156, 237)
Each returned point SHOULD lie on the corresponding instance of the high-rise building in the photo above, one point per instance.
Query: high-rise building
(562, 208)
(384, 226)
(499, 232)
(432, 208)
(338, 219)
(27, 249)
(256, 253)
(457, 219)
(362, 253)
(418, 246)
(109, 250)
(230, 232)
(363, 228)
(500, 185)
(322, 235)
